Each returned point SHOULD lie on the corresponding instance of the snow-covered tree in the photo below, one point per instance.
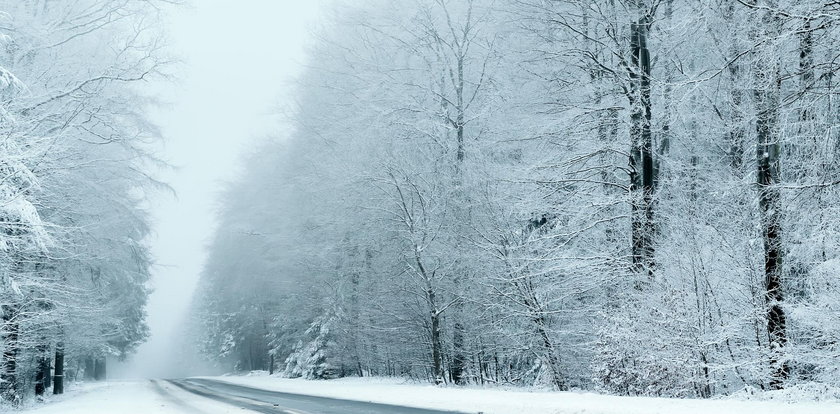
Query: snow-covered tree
(74, 259)
(635, 196)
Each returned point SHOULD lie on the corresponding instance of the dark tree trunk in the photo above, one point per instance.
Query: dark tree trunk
(355, 315)
(642, 169)
(437, 348)
(90, 368)
(737, 130)
(460, 116)
(39, 382)
(42, 373)
(58, 379)
(768, 152)
(806, 65)
(11, 349)
(458, 332)
(47, 369)
(100, 371)
(459, 361)
(434, 322)
(665, 140)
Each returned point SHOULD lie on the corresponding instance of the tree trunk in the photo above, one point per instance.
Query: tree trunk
(737, 131)
(458, 332)
(47, 372)
(641, 150)
(768, 162)
(90, 368)
(806, 65)
(42, 373)
(538, 316)
(434, 320)
(11, 349)
(460, 116)
(665, 140)
(459, 360)
(100, 372)
(355, 315)
(437, 348)
(551, 355)
(58, 379)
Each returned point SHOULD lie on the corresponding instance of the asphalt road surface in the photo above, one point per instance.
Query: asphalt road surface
(273, 402)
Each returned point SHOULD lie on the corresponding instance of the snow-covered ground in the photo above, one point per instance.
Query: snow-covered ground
(158, 397)
(497, 401)
(131, 397)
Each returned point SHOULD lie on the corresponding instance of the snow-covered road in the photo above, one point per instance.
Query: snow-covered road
(271, 395)
(519, 401)
(206, 396)
(274, 402)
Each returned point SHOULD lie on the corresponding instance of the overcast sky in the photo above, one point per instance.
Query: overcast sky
(239, 58)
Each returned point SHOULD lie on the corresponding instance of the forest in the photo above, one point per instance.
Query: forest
(635, 197)
(75, 178)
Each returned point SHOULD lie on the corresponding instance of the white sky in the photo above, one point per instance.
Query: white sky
(239, 58)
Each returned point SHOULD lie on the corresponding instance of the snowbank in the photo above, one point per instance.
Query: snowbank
(72, 390)
(131, 397)
(503, 401)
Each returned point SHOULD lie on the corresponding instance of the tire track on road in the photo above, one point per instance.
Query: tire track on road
(181, 404)
(236, 401)
(274, 402)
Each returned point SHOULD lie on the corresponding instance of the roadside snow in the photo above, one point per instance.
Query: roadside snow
(497, 401)
(133, 397)
(72, 390)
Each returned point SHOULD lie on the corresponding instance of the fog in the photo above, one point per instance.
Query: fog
(239, 58)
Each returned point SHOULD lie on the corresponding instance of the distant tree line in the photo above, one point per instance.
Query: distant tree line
(633, 196)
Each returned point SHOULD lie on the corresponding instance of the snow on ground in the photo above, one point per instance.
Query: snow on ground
(498, 401)
(132, 397)
(72, 390)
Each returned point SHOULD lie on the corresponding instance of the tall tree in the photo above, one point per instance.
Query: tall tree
(768, 152)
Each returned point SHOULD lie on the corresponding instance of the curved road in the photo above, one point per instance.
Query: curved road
(273, 402)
